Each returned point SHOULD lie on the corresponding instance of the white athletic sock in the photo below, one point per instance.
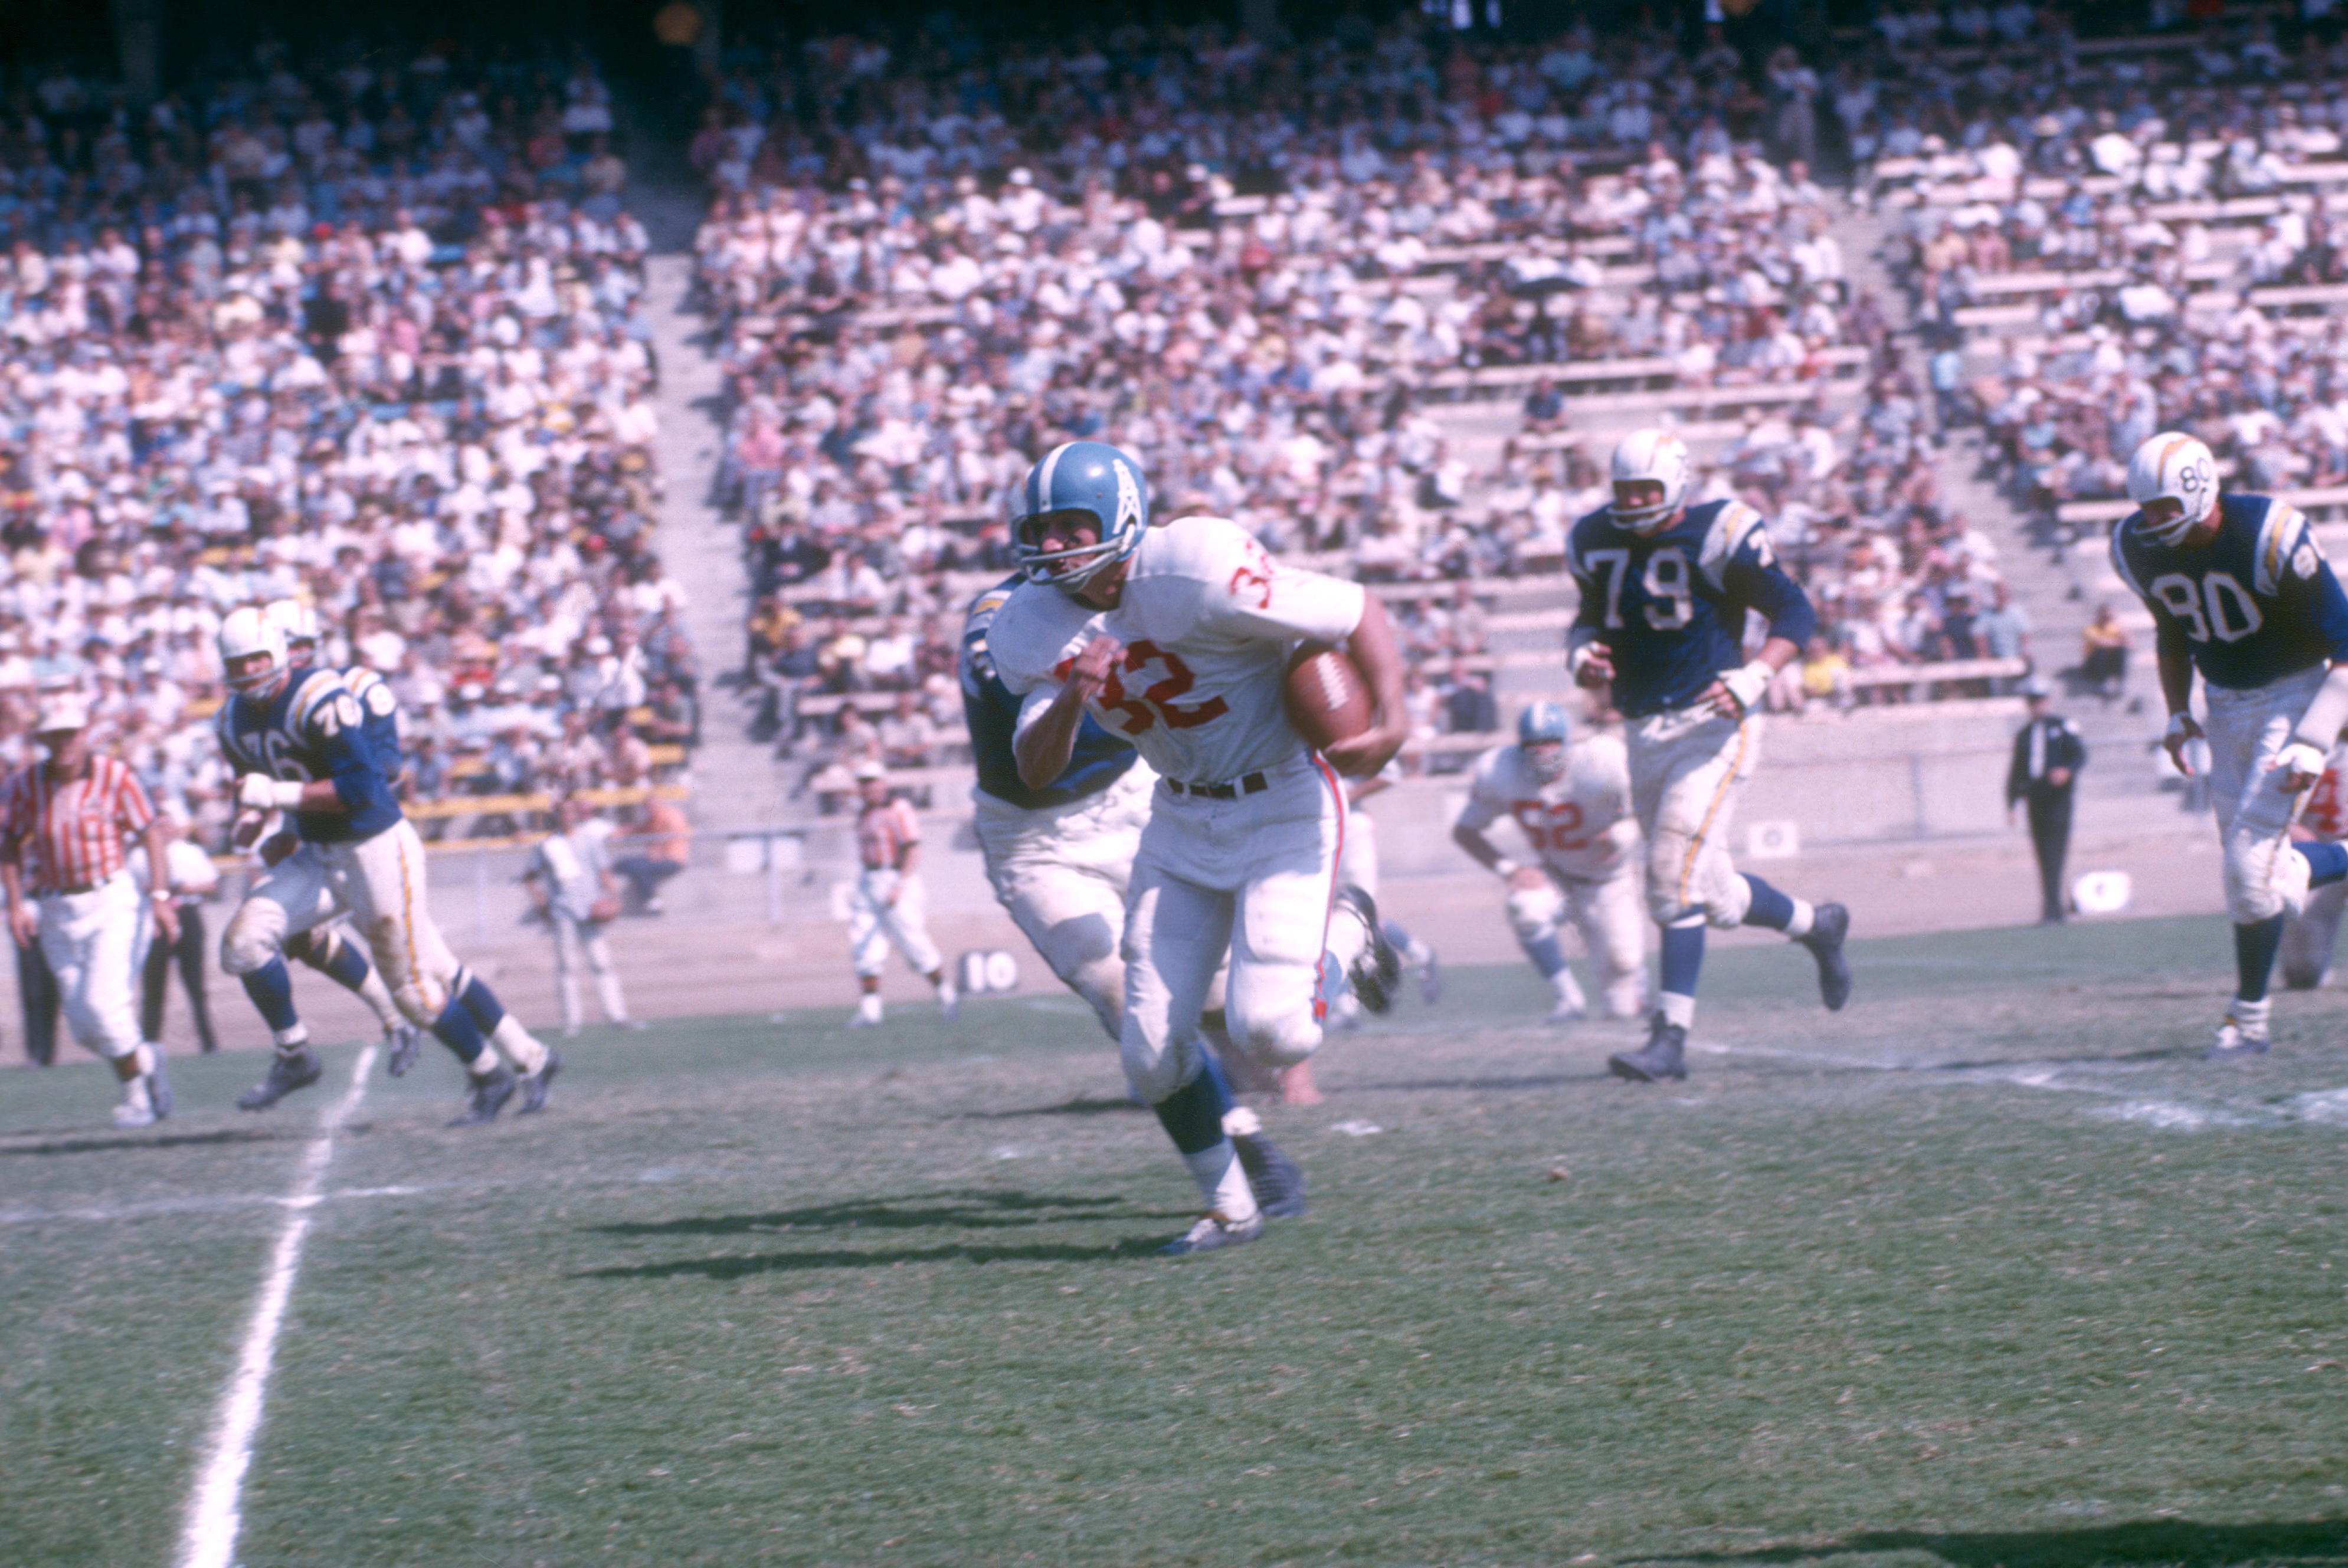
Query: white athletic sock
(146, 1057)
(1240, 1122)
(2250, 1017)
(518, 1045)
(1805, 916)
(134, 1094)
(377, 997)
(1677, 1008)
(868, 1006)
(1568, 989)
(287, 1039)
(1221, 1183)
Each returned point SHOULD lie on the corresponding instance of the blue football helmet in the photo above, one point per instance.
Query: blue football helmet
(1081, 477)
(1540, 727)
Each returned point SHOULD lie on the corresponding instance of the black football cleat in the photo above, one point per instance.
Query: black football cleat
(1377, 969)
(536, 1085)
(406, 1040)
(1663, 1056)
(1278, 1180)
(292, 1070)
(1829, 925)
(487, 1097)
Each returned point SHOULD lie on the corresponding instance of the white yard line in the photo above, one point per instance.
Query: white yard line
(210, 1539)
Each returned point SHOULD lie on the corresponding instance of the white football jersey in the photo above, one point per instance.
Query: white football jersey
(1208, 620)
(2326, 813)
(1581, 826)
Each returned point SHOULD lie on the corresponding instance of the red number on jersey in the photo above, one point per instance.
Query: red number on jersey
(1551, 826)
(1157, 701)
(2323, 807)
(1253, 580)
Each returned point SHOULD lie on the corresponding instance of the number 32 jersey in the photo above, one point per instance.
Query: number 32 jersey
(1208, 620)
(2255, 604)
(1580, 823)
(1670, 608)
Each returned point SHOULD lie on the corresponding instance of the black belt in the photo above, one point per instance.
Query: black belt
(1253, 783)
(68, 892)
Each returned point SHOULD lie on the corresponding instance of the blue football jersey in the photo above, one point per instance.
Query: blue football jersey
(1099, 760)
(314, 728)
(2253, 605)
(1670, 608)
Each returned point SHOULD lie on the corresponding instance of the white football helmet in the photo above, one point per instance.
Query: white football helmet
(298, 620)
(2173, 464)
(249, 629)
(1658, 456)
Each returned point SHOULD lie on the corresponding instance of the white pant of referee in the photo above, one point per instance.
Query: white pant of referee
(92, 941)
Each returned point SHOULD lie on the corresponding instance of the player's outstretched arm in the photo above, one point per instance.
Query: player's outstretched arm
(2176, 665)
(1047, 731)
(1380, 660)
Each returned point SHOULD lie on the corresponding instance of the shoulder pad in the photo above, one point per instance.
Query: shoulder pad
(981, 608)
(2120, 566)
(322, 702)
(2282, 537)
(1732, 528)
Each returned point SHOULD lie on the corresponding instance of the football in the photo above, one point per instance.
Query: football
(1326, 698)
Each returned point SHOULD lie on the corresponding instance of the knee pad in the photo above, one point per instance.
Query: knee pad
(1535, 913)
(255, 937)
(1687, 877)
(2265, 877)
(1152, 1075)
(1278, 1040)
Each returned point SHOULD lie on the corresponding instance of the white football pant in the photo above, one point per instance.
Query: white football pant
(290, 897)
(1250, 877)
(92, 941)
(1357, 866)
(2264, 876)
(1687, 768)
(874, 926)
(1062, 875)
(1612, 918)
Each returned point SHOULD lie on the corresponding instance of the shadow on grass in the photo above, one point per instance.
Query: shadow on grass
(110, 1143)
(721, 1269)
(2150, 1544)
(1083, 1105)
(964, 1209)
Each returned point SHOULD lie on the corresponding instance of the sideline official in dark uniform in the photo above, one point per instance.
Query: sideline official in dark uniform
(2047, 756)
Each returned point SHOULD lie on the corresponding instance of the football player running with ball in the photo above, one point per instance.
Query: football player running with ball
(1573, 805)
(1665, 591)
(1178, 639)
(2239, 591)
(1061, 859)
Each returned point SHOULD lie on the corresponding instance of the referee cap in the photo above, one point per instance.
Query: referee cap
(63, 711)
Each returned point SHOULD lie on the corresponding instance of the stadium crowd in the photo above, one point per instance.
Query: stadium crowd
(2143, 194)
(925, 276)
(368, 337)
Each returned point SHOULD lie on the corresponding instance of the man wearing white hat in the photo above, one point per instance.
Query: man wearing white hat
(887, 910)
(64, 858)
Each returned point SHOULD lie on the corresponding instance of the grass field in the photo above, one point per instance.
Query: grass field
(1984, 1271)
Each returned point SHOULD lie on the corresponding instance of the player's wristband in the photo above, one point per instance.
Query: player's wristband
(1505, 868)
(1747, 683)
(2179, 726)
(264, 793)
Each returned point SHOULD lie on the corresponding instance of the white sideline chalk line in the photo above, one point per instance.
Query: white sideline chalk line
(215, 1512)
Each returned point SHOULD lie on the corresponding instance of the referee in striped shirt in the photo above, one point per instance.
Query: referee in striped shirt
(65, 826)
